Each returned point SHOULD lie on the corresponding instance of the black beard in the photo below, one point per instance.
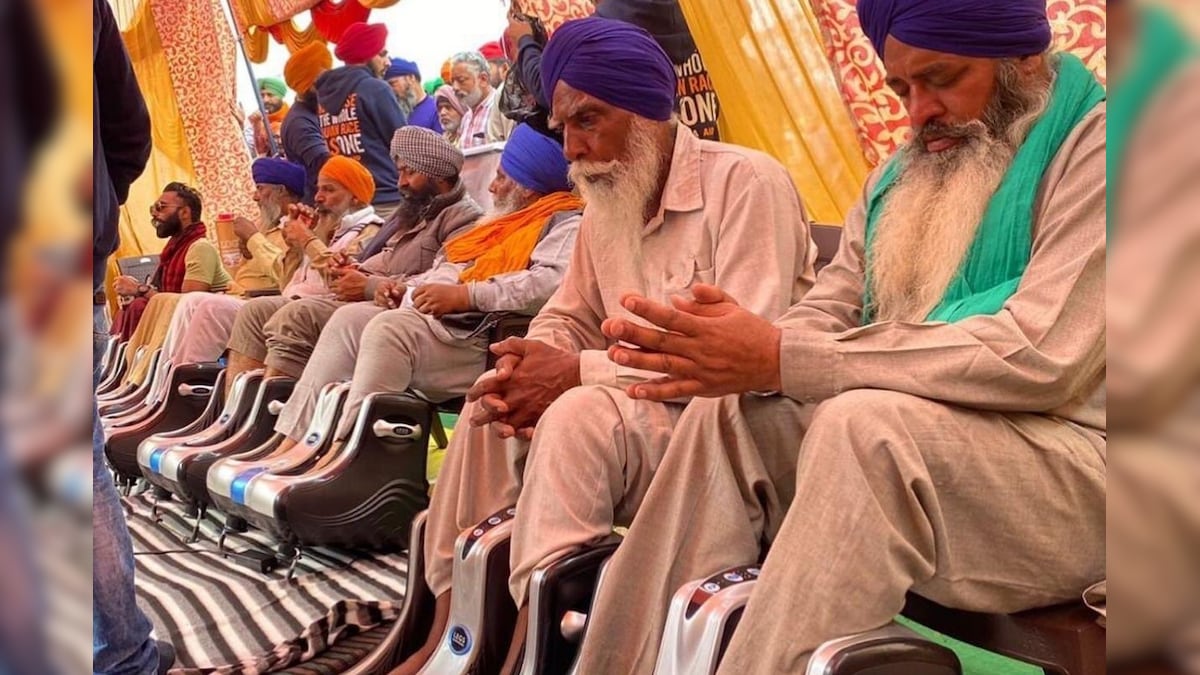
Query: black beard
(418, 200)
(165, 229)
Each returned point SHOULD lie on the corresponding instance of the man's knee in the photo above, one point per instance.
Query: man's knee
(388, 330)
(582, 412)
(248, 335)
(867, 422)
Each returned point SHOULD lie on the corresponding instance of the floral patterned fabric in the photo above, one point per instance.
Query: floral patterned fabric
(192, 34)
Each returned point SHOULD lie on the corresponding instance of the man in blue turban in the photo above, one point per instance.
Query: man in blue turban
(424, 331)
(404, 77)
(938, 425)
(665, 212)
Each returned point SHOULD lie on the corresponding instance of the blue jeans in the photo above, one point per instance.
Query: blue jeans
(120, 631)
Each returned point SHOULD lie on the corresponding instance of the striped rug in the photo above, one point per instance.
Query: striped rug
(225, 617)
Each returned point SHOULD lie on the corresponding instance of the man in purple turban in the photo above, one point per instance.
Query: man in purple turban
(938, 419)
(665, 211)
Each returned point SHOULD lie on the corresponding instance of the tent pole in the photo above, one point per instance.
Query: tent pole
(262, 108)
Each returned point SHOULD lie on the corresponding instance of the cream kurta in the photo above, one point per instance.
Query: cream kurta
(964, 461)
(729, 216)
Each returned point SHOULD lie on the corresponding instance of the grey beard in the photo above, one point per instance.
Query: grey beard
(406, 105)
(270, 213)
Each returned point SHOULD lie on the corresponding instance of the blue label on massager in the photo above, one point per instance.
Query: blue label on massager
(237, 491)
(156, 460)
(460, 640)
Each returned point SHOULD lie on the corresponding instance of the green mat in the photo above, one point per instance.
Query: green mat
(433, 465)
(975, 661)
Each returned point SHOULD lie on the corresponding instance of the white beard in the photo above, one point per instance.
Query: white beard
(928, 224)
(618, 193)
(934, 209)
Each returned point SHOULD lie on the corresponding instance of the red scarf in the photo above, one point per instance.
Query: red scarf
(172, 263)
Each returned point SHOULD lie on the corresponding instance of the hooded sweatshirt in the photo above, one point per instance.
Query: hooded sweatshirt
(304, 143)
(358, 115)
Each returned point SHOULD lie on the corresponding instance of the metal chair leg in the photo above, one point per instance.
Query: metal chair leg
(196, 528)
(438, 432)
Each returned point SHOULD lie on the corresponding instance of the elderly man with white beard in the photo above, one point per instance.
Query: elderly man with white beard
(427, 331)
(941, 423)
(665, 212)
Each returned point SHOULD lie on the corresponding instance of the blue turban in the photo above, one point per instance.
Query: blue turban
(982, 28)
(275, 171)
(401, 67)
(535, 161)
(614, 61)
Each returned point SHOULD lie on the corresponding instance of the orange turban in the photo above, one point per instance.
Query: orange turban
(446, 67)
(303, 68)
(352, 175)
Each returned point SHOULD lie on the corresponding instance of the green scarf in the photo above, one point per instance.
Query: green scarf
(1162, 48)
(994, 264)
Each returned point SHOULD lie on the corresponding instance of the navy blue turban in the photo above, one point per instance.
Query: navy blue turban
(275, 171)
(400, 67)
(535, 161)
(614, 61)
(983, 28)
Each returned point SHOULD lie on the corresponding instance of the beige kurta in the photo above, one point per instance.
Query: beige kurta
(1153, 333)
(729, 216)
(260, 271)
(956, 460)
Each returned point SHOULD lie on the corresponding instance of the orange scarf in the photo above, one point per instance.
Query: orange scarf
(276, 118)
(506, 244)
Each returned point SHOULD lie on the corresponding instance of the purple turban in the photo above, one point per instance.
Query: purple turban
(535, 161)
(614, 61)
(983, 28)
(401, 67)
(275, 171)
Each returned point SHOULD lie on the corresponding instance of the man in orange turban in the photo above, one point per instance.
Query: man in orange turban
(513, 261)
(301, 131)
(352, 175)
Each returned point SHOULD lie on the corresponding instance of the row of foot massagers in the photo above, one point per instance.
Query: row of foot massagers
(179, 432)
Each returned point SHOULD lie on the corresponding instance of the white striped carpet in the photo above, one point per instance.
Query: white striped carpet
(228, 618)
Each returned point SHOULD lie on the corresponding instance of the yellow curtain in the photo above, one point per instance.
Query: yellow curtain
(779, 94)
(170, 158)
(183, 57)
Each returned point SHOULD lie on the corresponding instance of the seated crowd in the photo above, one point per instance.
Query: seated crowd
(927, 414)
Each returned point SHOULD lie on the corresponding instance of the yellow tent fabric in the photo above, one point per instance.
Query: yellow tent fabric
(779, 95)
(170, 158)
(183, 57)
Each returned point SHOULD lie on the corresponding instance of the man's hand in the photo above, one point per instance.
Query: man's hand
(389, 293)
(245, 250)
(125, 285)
(349, 284)
(710, 346)
(244, 228)
(530, 375)
(297, 228)
(488, 391)
(437, 300)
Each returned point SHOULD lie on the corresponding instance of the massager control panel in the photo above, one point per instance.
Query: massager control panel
(489, 524)
(719, 582)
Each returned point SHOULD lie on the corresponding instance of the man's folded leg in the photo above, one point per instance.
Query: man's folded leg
(977, 510)
(720, 491)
